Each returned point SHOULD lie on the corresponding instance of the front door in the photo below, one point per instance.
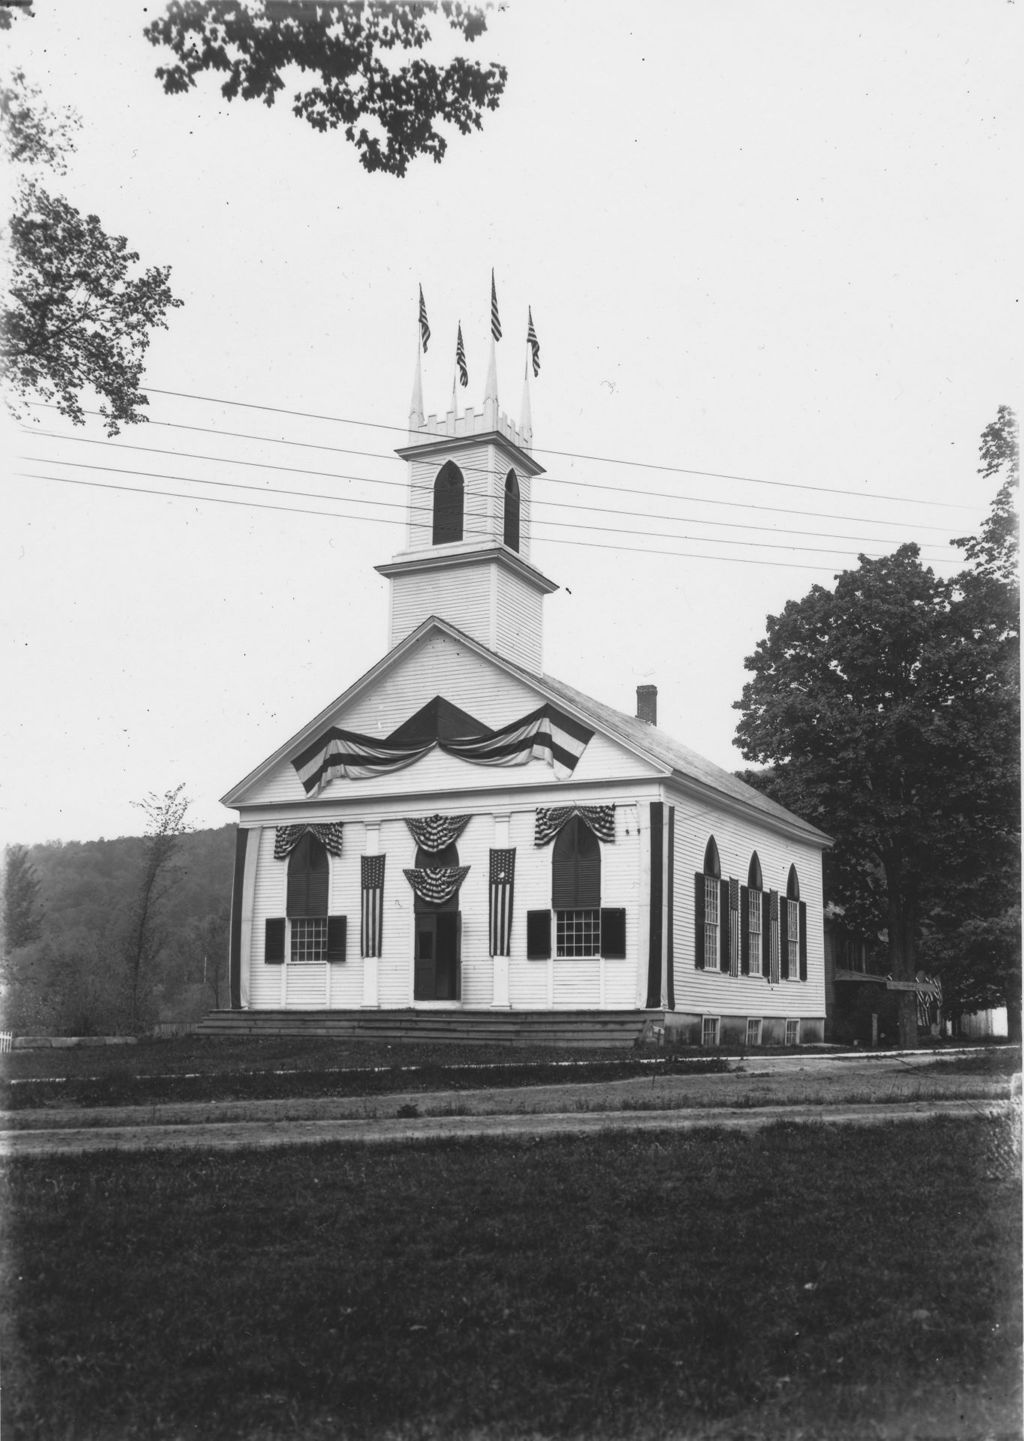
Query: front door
(438, 970)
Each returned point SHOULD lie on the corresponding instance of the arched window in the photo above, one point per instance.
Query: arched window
(437, 973)
(576, 890)
(511, 533)
(709, 952)
(752, 921)
(449, 493)
(306, 906)
(793, 920)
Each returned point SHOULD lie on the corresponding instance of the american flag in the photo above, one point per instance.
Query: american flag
(424, 325)
(371, 930)
(532, 341)
(495, 322)
(460, 358)
(503, 871)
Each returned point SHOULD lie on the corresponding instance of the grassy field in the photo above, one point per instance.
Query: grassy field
(200, 1069)
(797, 1283)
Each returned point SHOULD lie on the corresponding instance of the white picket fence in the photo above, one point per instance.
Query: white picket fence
(6, 1041)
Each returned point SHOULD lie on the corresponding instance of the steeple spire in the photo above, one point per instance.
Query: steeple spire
(491, 391)
(416, 416)
(525, 416)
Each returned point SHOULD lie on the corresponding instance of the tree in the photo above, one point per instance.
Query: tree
(145, 932)
(21, 899)
(349, 46)
(76, 318)
(875, 704)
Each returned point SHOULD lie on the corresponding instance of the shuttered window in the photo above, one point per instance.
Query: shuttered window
(755, 909)
(711, 922)
(793, 940)
(576, 890)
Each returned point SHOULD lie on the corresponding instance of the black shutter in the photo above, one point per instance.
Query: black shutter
(538, 935)
(273, 943)
(698, 920)
(766, 937)
(613, 935)
(745, 930)
(784, 938)
(308, 877)
(337, 928)
(724, 921)
(576, 868)
(803, 940)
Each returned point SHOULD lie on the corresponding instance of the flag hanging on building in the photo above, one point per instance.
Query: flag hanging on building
(533, 342)
(424, 325)
(503, 873)
(460, 358)
(495, 322)
(371, 930)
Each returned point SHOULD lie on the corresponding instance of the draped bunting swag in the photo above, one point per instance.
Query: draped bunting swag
(434, 833)
(546, 734)
(438, 885)
(551, 819)
(287, 838)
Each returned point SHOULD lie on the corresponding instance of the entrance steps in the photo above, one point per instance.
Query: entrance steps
(588, 1030)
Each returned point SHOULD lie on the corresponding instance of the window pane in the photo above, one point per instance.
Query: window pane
(309, 942)
(578, 933)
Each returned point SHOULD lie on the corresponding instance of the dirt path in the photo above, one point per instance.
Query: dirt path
(240, 1135)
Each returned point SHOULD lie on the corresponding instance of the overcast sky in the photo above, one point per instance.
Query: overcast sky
(779, 242)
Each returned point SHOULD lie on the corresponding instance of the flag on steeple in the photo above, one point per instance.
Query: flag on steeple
(424, 326)
(495, 322)
(532, 341)
(460, 358)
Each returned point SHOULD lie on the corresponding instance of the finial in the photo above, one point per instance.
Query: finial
(416, 415)
(525, 415)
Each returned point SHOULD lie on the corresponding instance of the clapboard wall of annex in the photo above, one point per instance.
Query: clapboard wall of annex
(443, 666)
(737, 837)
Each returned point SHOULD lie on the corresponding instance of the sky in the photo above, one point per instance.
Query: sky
(773, 259)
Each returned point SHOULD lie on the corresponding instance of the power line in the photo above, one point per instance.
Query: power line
(398, 505)
(566, 454)
(476, 470)
(385, 520)
(373, 480)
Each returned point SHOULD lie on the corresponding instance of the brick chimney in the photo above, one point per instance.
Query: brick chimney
(647, 704)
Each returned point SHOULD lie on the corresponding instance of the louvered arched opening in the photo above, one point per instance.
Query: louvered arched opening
(449, 501)
(511, 531)
(576, 890)
(306, 903)
(712, 865)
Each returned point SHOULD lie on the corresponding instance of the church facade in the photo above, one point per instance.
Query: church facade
(460, 830)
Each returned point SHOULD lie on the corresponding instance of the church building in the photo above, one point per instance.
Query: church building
(461, 831)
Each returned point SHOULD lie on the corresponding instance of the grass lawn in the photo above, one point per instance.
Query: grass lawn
(799, 1282)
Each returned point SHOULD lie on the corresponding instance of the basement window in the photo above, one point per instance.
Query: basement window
(754, 1025)
(709, 1031)
(792, 1033)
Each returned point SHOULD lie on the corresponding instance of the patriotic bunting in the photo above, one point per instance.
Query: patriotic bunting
(436, 886)
(434, 833)
(533, 342)
(550, 820)
(286, 838)
(372, 921)
(460, 358)
(424, 326)
(545, 734)
(495, 322)
(502, 877)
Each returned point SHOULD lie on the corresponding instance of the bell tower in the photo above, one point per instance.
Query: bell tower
(468, 529)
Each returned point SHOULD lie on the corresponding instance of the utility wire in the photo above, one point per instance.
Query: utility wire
(395, 484)
(567, 454)
(475, 470)
(399, 505)
(386, 520)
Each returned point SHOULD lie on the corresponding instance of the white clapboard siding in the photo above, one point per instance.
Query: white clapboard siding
(518, 620)
(715, 992)
(305, 987)
(461, 595)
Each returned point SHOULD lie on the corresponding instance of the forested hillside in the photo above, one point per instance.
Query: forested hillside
(72, 917)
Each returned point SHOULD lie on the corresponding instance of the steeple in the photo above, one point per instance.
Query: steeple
(469, 527)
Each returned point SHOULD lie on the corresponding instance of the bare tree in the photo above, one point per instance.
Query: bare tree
(146, 934)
